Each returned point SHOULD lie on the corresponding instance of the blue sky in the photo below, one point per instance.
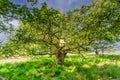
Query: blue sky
(64, 5)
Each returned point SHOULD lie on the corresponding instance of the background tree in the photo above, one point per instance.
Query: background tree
(103, 19)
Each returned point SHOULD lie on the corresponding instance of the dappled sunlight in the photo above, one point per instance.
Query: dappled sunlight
(100, 64)
(86, 66)
(71, 69)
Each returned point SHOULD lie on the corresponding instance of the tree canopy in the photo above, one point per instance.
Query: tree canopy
(67, 32)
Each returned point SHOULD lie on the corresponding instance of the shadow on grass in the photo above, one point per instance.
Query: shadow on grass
(46, 69)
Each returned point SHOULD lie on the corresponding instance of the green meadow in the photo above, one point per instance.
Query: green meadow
(92, 67)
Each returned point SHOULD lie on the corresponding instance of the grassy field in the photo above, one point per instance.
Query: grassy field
(94, 67)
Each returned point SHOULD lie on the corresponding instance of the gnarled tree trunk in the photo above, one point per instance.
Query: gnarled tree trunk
(60, 56)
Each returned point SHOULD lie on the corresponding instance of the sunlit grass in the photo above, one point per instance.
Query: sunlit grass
(94, 67)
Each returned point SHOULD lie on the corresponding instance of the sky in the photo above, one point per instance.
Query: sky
(64, 5)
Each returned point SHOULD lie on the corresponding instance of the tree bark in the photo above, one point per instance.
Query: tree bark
(60, 56)
(96, 52)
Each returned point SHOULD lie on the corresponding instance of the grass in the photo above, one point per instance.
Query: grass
(94, 67)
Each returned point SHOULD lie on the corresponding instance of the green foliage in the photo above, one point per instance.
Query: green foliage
(12, 49)
(79, 28)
